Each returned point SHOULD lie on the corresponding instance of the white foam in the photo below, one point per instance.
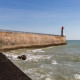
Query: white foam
(35, 51)
(77, 76)
(12, 56)
(47, 79)
(54, 62)
(32, 57)
(34, 73)
(30, 71)
(38, 50)
(48, 47)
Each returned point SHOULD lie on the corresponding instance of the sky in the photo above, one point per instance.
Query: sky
(41, 16)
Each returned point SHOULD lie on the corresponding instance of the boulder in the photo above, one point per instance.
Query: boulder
(19, 57)
(23, 57)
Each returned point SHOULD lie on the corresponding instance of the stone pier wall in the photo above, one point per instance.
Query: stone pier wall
(13, 40)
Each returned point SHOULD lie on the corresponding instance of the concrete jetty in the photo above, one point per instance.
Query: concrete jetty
(9, 71)
(15, 39)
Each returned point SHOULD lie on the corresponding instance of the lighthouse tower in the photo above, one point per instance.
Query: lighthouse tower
(62, 31)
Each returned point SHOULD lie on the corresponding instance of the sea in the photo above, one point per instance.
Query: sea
(50, 63)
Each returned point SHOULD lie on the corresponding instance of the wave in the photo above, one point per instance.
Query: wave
(47, 79)
(35, 51)
(11, 56)
(32, 57)
(38, 74)
(54, 62)
(77, 76)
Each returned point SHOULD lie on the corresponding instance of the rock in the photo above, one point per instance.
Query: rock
(19, 57)
(23, 57)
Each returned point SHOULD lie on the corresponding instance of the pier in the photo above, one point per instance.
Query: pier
(10, 40)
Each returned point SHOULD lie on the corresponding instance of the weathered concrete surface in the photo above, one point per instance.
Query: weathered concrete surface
(14, 40)
(8, 71)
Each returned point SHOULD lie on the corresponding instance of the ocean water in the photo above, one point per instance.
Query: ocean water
(51, 63)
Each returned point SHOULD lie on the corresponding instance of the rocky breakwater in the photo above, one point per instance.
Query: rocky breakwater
(13, 40)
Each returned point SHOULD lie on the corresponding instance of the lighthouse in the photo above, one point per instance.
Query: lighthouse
(62, 31)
